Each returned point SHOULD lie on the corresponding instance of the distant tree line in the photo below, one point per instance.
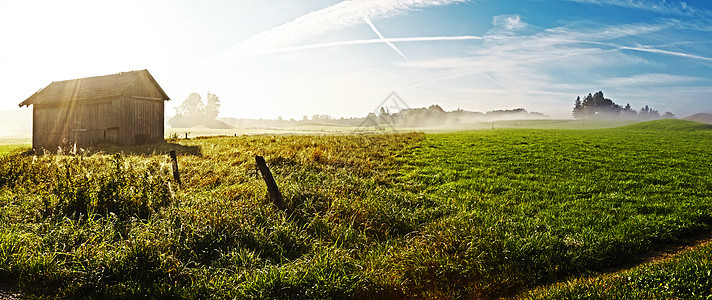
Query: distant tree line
(432, 116)
(194, 112)
(435, 115)
(597, 106)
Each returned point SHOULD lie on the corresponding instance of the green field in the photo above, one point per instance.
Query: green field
(12, 144)
(296, 130)
(532, 213)
(319, 128)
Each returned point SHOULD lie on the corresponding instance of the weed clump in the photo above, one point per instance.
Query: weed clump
(77, 186)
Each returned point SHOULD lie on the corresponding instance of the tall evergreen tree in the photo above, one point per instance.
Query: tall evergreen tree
(596, 106)
(577, 108)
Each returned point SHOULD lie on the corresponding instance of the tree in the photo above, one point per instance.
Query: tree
(383, 112)
(212, 107)
(193, 112)
(603, 107)
(577, 108)
(645, 110)
(435, 109)
(319, 117)
(628, 112)
(192, 107)
(647, 113)
(598, 106)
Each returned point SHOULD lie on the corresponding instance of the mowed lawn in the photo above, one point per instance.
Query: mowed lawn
(533, 206)
(479, 214)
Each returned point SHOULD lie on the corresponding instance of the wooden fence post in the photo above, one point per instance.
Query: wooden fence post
(272, 188)
(176, 174)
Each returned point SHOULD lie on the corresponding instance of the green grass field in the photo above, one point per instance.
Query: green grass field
(686, 276)
(317, 128)
(532, 213)
(9, 145)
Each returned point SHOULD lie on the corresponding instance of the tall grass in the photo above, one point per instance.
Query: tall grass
(686, 276)
(459, 215)
(100, 225)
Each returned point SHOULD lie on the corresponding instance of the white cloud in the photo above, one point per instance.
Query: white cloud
(555, 46)
(536, 68)
(655, 79)
(661, 6)
(515, 64)
(338, 16)
(507, 24)
(567, 35)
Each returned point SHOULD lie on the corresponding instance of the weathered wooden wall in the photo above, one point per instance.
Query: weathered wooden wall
(143, 121)
(134, 117)
(85, 123)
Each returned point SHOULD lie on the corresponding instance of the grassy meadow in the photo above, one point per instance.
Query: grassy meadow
(530, 213)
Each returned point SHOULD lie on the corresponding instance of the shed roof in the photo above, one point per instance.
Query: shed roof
(94, 87)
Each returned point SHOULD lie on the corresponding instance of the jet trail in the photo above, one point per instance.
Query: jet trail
(341, 15)
(673, 53)
(366, 41)
(389, 43)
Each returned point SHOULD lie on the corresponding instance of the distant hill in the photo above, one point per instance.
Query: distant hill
(217, 124)
(668, 125)
(701, 118)
(210, 124)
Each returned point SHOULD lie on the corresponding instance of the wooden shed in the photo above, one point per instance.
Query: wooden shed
(125, 109)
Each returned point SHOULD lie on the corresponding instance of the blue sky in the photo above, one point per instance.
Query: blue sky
(266, 59)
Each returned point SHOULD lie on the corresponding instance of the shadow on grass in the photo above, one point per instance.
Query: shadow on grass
(161, 148)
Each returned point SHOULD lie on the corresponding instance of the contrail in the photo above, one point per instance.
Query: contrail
(335, 17)
(645, 49)
(682, 8)
(224, 57)
(673, 53)
(367, 41)
(389, 43)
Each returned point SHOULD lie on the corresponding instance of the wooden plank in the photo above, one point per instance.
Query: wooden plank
(146, 98)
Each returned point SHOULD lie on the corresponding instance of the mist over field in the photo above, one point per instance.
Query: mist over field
(415, 119)
(356, 149)
(16, 123)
